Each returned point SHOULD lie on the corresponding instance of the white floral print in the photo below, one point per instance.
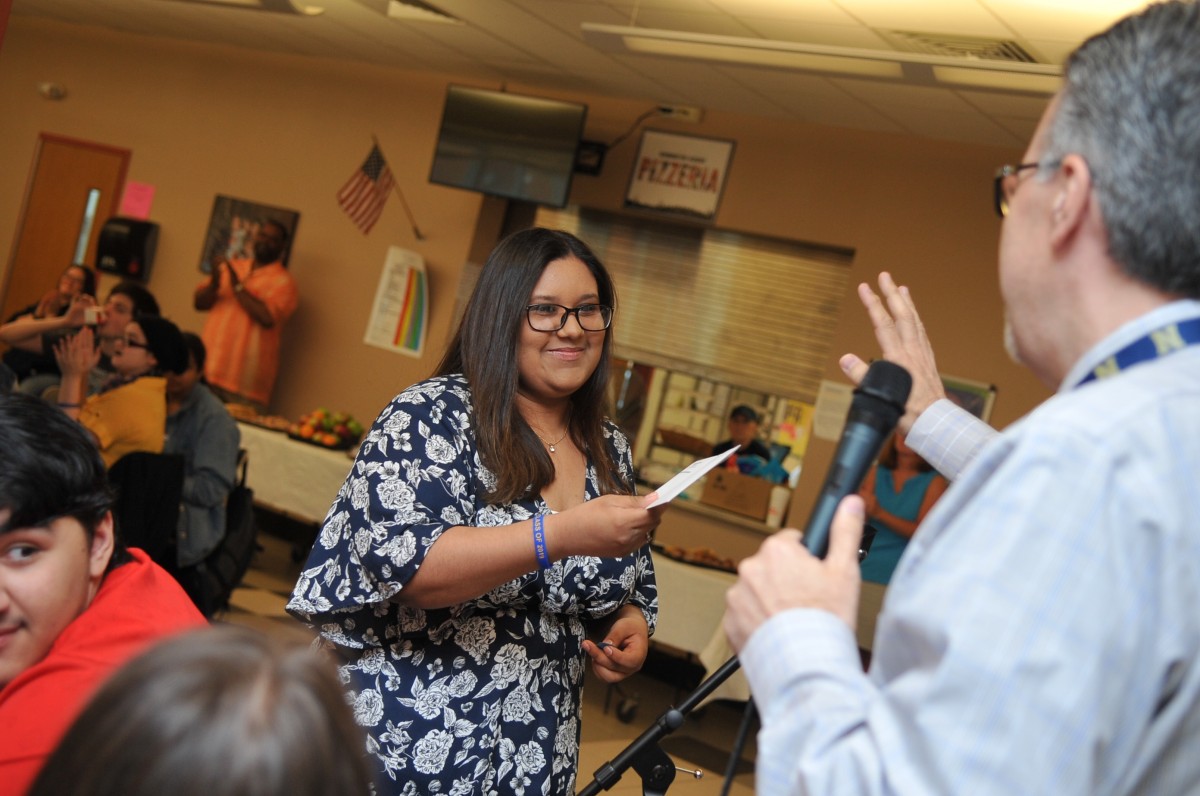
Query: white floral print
(476, 698)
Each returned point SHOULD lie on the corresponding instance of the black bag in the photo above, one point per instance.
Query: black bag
(211, 582)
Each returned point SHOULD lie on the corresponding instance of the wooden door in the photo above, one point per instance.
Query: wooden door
(74, 188)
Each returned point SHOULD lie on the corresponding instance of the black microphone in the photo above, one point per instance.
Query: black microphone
(877, 406)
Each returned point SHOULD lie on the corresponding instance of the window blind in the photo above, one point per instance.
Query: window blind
(744, 309)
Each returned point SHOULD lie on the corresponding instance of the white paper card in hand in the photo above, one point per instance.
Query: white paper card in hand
(688, 476)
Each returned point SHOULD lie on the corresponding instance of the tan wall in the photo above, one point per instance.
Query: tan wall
(203, 120)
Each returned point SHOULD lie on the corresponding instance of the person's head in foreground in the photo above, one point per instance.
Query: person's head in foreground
(221, 710)
(56, 529)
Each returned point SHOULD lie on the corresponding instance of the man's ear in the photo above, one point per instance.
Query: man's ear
(103, 542)
(1073, 201)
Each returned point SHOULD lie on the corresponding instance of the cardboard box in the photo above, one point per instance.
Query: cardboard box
(738, 493)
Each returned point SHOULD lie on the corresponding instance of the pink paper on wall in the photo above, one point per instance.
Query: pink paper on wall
(136, 200)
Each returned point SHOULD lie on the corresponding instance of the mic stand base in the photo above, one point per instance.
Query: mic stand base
(644, 755)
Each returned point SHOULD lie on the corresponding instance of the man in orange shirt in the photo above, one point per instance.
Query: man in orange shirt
(74, 603)
(248, 302)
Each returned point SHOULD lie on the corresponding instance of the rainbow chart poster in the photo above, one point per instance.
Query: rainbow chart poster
(400, 313)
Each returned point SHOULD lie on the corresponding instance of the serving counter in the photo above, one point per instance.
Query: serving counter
(691, 605)
(290, 477)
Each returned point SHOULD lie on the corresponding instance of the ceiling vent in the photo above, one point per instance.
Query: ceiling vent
(277, 6)
(951, 46)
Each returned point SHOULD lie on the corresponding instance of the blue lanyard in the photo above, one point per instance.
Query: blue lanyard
(1158, 343)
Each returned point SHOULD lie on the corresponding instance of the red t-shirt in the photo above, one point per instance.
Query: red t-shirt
(137, 604)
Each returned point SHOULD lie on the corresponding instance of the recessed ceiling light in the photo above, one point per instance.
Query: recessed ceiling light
(909, 67)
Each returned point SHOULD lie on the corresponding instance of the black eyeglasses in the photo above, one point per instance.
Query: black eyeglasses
(1006, 182)
(133, 343)
(552, 317)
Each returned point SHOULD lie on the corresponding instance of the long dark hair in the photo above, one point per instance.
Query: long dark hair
(890, 457)
(484, 347)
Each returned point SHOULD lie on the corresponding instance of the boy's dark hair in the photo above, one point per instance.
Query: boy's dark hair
(143, 300)
(195, 347)
(50, 468)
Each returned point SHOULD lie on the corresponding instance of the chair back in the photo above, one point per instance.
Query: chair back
(149, 489)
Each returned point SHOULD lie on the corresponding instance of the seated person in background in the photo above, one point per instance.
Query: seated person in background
(126, 301)
(248, 302)
(29, 358)
(224, 710)
(130, 411)
(202, 432)
(74, 604)
(743, 430)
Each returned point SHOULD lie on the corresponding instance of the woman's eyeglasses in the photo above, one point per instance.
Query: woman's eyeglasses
(133, 343)
(552, 317)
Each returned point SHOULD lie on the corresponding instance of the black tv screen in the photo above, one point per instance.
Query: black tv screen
(508, 145)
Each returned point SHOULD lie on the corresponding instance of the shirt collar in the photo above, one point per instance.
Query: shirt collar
(1139, 327)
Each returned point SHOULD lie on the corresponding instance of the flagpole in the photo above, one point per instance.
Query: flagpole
(396, 187)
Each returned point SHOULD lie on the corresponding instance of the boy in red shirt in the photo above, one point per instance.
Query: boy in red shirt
(74, 603)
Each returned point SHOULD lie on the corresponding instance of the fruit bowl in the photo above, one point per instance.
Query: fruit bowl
(333, 430)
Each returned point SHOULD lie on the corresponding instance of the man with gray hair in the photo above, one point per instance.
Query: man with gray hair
(1041, 632)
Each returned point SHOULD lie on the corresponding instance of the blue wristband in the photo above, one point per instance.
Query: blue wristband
(539, 541)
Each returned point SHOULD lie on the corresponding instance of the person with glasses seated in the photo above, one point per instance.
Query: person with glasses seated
(130, 411)
(488, 541)
(126, 301)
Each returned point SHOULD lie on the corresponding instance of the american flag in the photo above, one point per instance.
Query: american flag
(367, 191)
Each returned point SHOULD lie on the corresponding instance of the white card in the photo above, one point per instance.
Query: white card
(688, 476)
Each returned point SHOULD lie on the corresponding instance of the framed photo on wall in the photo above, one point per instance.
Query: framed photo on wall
(974, 396)
(679, 174)
(233, 224)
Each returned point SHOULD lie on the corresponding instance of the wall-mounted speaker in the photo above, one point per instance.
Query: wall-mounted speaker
(126, 247)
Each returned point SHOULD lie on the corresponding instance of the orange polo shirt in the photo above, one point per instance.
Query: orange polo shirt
(243, 357)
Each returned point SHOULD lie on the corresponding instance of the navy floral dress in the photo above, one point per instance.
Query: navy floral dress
(482, 697)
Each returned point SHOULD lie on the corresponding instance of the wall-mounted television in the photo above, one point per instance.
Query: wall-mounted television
(508, 145)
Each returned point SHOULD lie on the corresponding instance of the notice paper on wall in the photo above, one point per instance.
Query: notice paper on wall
(400, 312)
(136, 200)
(833, 403)
(688, 476)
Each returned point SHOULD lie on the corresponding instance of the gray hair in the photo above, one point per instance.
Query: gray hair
(1130, 106)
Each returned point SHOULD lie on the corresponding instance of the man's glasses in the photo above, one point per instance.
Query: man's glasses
(552, 317)
(1006, 182)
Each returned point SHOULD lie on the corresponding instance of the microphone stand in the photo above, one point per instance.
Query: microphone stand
(644, 755)
(878, 403)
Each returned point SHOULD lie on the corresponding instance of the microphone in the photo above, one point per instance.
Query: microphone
(876, 408)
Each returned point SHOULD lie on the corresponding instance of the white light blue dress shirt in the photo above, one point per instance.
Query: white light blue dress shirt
(1042, 631)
